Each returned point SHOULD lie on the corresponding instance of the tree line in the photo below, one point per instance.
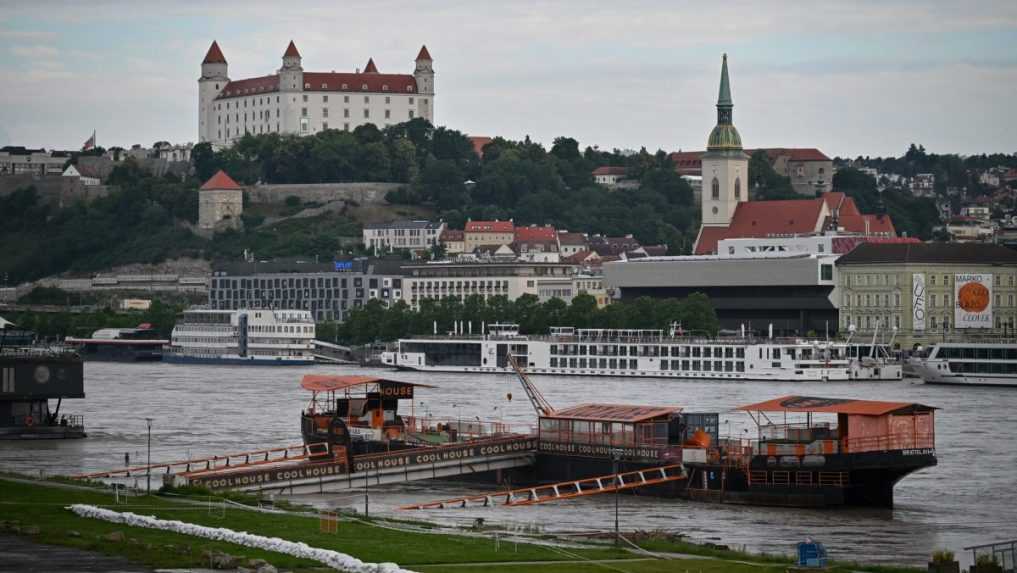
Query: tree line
(374, 322)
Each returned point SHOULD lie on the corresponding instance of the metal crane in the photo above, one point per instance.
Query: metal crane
(540, 404)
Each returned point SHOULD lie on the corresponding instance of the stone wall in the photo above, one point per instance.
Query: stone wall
(362, 193)
(57, 190)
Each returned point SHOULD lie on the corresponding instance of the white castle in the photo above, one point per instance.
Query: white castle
(293, 101)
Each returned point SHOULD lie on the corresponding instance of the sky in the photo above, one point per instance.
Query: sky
(851, 78)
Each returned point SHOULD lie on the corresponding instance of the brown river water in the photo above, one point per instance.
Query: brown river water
(969, 498)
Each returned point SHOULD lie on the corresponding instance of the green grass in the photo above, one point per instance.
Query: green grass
(649, 566)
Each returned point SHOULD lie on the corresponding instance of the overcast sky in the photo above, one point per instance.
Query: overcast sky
(847, 77)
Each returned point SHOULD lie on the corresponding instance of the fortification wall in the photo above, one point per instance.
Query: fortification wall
(362, 193)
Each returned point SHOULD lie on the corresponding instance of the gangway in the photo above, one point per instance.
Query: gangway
(564, 490)
(540, 404)
(213, 463)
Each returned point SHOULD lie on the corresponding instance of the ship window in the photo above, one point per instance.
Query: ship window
(706, 352)
(632, 364)
(613, 363)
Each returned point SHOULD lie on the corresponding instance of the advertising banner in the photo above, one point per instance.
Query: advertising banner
(972, 300)
(918, 301)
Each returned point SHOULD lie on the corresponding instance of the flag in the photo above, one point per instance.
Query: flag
(89, 143)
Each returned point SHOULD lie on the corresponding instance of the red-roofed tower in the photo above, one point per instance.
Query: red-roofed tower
(370, 68)
(424, 74)
(291, 74)
(213, 79)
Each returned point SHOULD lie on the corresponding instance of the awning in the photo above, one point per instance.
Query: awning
(330, 383)
(833, 406)
(612, 413)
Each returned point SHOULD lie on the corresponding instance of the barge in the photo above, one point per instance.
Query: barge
(141, 344)
(31, 376)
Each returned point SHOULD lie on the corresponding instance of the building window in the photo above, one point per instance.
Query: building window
(346, 113)
(324, 112)
(388, 113)
(305, 95)
(367, 113)
(324, 125)
(826, 271)
(738, 187)
(715, 189)
(324, 98)
(303, 112)
(411, 114)
(303, 124)
(346, 127)
(1011, 280)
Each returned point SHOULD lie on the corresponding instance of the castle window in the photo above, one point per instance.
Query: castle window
(715, 189)
(324, 125)
(367, 99)
(388, 113)
(307, 87)
(411, 114)
(738, 188)
(388, 100)
(346, 113)
(217, 87)
(305, 95)
(303, 112)
(384, 88)
(324, 98)
(324, 87)
(367, 113)
(409, 88)
(411, 101)
(363, 87)
(324, 112)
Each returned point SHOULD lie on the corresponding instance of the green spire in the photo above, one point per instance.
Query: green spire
(725, 87)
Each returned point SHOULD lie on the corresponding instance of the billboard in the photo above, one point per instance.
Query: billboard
(918, 301)
(972, 294)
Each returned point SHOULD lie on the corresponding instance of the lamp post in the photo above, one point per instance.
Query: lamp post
(148, 464)
(615, 458)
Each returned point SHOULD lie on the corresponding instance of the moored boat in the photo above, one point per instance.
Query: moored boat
(31, 376)
(968, 363)
(242, 337)
(141, 344)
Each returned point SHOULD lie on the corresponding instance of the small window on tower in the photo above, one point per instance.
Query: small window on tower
(715, 189)
(738, 188)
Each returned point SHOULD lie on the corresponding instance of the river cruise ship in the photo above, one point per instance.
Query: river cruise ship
(255, 337)
(646, 353)
(968, 363)
(141, 344)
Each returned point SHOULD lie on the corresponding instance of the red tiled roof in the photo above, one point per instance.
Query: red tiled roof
(479, 141)
(370, 68)
(706, 243)
(572, 238)
(687, 162)
(489, 227)
(838, 201)
(346, 82)
(767, 218)
(844, 245)
(423, 54)
(220, 181)
(536, 234)
(870, 224)
(452, 235)
(793, 153)
(291, 51)
(581, 257)
(250, 86)
(609, 170)
(214, 55)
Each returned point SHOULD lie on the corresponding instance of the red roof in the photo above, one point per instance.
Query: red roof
(373, 82)
(793, 153)
(706, 243)
(768, 218)
(263, 84)
(370, 68)
(536, 234)
(489, 227)
(844, 245)
(479, 141)
(831, 406)
(581, 257)
(330, 383)
(452, 235)
(838, 201)
(214, 55)
(220, 181)
(423, 54)
(609, 170)
(869, 224)
(291, 51)
(613, 412)
(688, 162)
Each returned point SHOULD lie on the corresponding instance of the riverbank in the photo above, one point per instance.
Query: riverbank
(37, 511)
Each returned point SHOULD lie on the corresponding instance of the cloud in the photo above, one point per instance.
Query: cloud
(35, 51)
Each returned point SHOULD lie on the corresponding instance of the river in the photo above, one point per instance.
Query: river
(199, 410)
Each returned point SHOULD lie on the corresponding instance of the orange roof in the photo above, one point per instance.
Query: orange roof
(706, 244)
(370, 68)
(531, 234)
(220, 181)
(331, 383)
(214, 55)
(423, 54)
(832, 406)
(248, 86)
(479, 141)
(451, 235)
(613, 412)
(489, 227)
(609, 170)
(291, 51)
(837, 200)
(870, 224)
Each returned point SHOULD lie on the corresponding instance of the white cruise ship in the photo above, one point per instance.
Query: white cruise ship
(651, 353)
(968, 363)
(257, 337)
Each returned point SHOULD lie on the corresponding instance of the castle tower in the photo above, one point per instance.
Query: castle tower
(213, 79)
(291, 74)
(725, 165)
(424, 74)
(220, 204)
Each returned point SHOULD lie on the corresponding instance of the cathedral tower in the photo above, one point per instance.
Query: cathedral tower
(725, 165)
(213, 79)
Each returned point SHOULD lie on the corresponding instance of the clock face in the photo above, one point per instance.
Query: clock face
(42, 374)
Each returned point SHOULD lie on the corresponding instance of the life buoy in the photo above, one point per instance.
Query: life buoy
(29, 421)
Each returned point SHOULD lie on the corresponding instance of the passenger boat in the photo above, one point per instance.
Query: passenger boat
(651, 353)
(252, 337)
(31, 376)
(141, 344)
(968, 363)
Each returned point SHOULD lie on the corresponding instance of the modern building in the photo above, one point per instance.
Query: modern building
(220, 204)
(794, 293)
(963, 229)
(825, 244)
(929, 291)
(328, 290)
(512, 279)
(292, 101)
(38, 162)
(402, 235)
(608, 175)
(488, 233)
(923, 184)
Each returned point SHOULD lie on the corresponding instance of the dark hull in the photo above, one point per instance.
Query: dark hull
(119, 353)
(865, 480)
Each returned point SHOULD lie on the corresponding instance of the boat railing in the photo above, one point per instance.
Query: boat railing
(690, 339)
(886, 442)
(462, 427)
